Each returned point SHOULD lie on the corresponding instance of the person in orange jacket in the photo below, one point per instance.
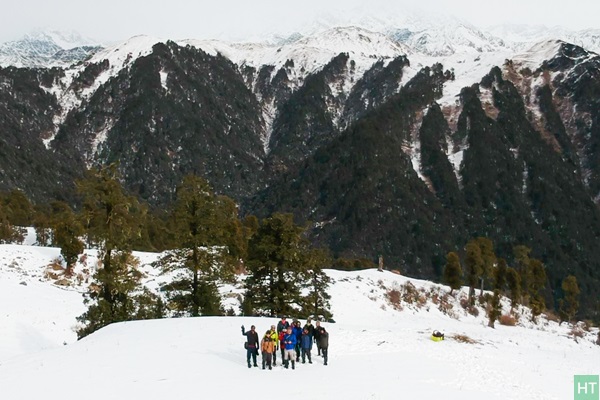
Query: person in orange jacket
(267, 348)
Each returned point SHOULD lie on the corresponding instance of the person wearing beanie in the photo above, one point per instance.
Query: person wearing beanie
(316, 334)
(289, 341)
(275, 339)
(268, 348)
(282, 325)
(306, 344)
(310, 328)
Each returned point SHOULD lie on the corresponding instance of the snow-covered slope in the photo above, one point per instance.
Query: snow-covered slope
(378, 349)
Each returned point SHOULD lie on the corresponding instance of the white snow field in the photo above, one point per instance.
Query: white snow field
(376, 350)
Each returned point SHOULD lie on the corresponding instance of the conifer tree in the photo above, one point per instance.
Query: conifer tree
(569, 305)
(536, 282)
(111, 219)
(494, 309)
(489, 259)
(500, 275)
(521, 254)
(18, 208)
(474, 267)
(41, 224)
(210, 242)
(316, 301)
(8, 232)
(513, 279)
(276, 261)
(453, 272)
(67, 231)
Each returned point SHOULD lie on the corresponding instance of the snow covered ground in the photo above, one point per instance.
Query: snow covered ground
(377, 351)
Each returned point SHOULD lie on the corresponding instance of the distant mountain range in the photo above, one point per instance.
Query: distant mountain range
(47, 49)
(404, 141)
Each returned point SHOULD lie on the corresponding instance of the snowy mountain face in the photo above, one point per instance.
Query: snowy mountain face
(46, 49)
(401, 143)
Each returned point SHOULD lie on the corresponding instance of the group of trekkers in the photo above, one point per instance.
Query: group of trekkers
(293, 340)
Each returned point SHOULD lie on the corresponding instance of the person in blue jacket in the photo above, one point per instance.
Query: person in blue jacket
(306, 345)
(289, 341)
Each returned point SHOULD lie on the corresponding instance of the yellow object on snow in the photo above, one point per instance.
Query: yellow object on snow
(437, 336)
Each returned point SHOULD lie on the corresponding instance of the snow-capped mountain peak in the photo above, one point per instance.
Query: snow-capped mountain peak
(45, 49)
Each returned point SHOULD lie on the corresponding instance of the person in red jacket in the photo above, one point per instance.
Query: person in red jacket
(281, 346)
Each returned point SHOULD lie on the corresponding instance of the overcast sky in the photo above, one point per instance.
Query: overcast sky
(112, 20)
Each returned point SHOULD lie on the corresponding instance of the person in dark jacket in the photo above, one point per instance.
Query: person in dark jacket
(289, 342)
(324, 343)
(297, 330)
(282, 325)
(306, 345)
(316, 336)
(251, 345)
(309, 326)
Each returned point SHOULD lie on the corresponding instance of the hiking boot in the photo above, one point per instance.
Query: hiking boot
(249, 366)
(293, 365)
(269, 367)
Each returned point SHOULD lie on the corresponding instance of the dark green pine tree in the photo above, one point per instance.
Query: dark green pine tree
(489, 258)
(453, 272)
(474, 267)
(513, 280)
(111, 219)
(521, 254)
(19, 210)
(536, 283)
(494, 309)
(67, 232)
(276, 263)
(41, 224)
(569, 304)
(316, 301)
(210, 241)
(500, 275)
(8, 232)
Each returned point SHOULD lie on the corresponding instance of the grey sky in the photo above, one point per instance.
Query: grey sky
(111, 20)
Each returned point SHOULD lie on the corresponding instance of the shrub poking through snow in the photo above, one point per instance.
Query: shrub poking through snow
(463, 339)
(576, 332)
(507, 320)
(395, 298)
